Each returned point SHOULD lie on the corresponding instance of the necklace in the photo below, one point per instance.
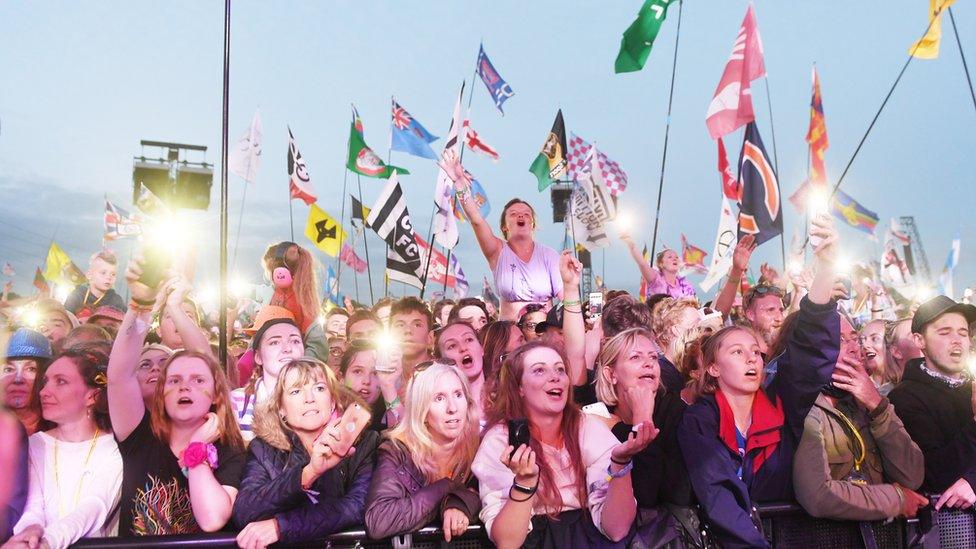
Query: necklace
(57, 474)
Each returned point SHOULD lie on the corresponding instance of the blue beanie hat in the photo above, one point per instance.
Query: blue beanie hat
(27, 343)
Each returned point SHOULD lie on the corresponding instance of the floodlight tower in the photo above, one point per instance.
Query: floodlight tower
(177, 181)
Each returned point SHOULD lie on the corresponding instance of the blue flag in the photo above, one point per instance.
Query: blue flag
(499, 89)
(853, 213)
(332, 288)
(410, 136)
(760, 210)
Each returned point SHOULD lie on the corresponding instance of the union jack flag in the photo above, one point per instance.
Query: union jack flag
(401, 118)
(119, 224)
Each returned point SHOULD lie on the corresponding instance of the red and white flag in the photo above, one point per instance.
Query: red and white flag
(298, 180)
(474, 142)
(730, 185)
(437, 271)
(731, 108)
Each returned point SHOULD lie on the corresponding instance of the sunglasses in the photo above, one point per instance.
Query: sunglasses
(428, 363)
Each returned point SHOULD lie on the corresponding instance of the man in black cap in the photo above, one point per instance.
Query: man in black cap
(935, 400)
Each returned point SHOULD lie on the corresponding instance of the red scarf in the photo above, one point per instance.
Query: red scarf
(764, 433)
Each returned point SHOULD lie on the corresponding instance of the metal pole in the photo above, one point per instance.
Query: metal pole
(222, 353)
(369, 268)
(965, 66)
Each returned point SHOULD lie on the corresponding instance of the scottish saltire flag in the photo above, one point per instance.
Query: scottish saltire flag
(409, 136)
(851, 212)
(119, 224)
(499, 89)
(760, 208)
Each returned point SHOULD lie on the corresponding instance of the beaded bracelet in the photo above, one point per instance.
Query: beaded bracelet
(621, 473)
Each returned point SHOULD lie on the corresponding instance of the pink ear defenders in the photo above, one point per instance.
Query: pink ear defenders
(281, 275)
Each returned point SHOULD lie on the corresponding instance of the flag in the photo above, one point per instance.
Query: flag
(474, 142)
(119, 224)
(324, 231)
(362, 159)
(149, 203)
(760, 211)
(349, 257)
(644, 287)
(487, 295)
(478, 196)
(401, 270)
(639, 37)
(550, 165)
(817, 136)
(499, 90)
(59, 268)
(945, 279)
(928, 46)
(391, 221)
(409, 136)
(732, 105)
(245, 158)
(895, 271)
(8, 270)
(40, 283)
(591, 206)
(437, 267)
(692, 257)
(332, 289)
(730, 185)
(299, 183)
(359, 212)
(851, 212)
(461, 286)
(445, 225)
(725, 240)
(613, 176)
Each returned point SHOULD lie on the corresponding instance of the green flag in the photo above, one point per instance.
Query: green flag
(551, 162)
(362, 159)
(639, 36)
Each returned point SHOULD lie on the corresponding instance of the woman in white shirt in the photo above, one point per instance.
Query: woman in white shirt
(570, 486)
(75, 466)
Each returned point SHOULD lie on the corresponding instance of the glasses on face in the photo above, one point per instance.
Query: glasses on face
(849, 339)
(529, 325)
(336, 351)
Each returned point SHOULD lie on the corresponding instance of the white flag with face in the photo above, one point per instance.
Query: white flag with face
(725, 241)
(245, 158)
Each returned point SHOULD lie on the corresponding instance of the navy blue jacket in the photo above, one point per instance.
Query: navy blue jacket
(271, 487)
(803, 369)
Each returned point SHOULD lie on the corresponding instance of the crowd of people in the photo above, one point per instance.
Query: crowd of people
(650, 423)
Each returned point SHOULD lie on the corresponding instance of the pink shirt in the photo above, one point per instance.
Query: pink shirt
(682, 287)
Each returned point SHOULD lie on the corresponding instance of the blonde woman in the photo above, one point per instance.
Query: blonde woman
(300, 482)
(423, 471)
(672, 319)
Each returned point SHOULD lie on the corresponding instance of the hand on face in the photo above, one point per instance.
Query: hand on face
(850, 375)
(209, 431)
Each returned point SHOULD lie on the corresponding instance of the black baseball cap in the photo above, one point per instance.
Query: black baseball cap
(938, 306)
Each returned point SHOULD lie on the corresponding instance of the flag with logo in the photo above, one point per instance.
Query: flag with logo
(474, 142)
(817, 135)
(945, 279)
(119, 224)
(245, 158)
(591, 206)
(299, 183)
(324, 231)
(359, 212)
(348, 256)
(40, 283)
(436, 266)
(391, 221)
(692, 258)
(550, 164)
(445, 225)
(760, 211)
(731, 107)
(149, 203)
(613, 176)
(853, 213)
(928, 46)
(639, 37)
(499, 90)
(409, 136)
(725, 240)
(362, 159)
(59, 268)
(478, 196)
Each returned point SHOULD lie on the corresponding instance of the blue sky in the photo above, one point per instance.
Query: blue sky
(85, 81)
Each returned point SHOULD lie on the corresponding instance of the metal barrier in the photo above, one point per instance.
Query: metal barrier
(786, 526)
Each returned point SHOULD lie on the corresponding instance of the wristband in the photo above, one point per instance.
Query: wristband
(621, 473)
(463, 194)
(197, 453)
(144, 302)
(524, 489)
(571, 303)
(133, 305)
(621, 463)
(523, 500)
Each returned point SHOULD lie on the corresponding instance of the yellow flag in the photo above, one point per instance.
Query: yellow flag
(324, 231)
(928, 46)
(59, 268)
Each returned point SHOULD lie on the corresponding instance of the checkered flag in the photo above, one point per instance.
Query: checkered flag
(614, 177)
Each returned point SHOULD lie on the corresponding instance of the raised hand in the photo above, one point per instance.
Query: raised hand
(451, 165)
(641, 400)
(743, 251)
(138, 290)
(637, 441)
(522, 463)
(569, 268)
(823, 228)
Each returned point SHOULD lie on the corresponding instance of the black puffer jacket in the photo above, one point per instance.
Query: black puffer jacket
(272, 488)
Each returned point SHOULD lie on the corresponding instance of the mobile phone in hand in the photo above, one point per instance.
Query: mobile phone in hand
(155, 262)
(596, 304)
(518, 433)
(354, 419)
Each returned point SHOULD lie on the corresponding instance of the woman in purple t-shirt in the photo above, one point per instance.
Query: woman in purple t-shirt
(524, 270)
(663, 279)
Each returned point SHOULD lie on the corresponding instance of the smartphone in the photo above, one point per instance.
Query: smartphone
(518, 433)
(155, 262)
(596, 304)
(383, 363)
(354, 419)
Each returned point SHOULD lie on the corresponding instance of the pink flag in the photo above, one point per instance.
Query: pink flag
(348, 256)
(731, 107)
(474, 142)
(730, 186)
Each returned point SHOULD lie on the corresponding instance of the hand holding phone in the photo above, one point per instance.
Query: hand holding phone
(518, 433)
(596, 304)
(156, 260)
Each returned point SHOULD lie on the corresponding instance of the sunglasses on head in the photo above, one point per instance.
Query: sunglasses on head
(428, 363)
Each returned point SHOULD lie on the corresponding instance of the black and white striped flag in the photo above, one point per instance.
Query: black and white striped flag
(391, 221)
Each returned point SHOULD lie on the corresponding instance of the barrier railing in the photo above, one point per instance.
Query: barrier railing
(785, 525)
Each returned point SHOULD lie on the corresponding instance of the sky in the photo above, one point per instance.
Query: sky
(86, 81)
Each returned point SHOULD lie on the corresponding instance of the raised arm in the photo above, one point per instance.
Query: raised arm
(125, 404)
(490, 244)
(649, 273)
(194, 339)
(740, 262)
(574, 332)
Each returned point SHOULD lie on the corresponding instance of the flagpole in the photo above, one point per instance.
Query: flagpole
(667, 128)
(965, 66)
(224, 195)
(342, 209)
(430, 250)
(460, 158)
(772, 131)
(369, 269)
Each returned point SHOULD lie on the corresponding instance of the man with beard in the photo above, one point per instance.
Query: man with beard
(764, 311)
(935, 400)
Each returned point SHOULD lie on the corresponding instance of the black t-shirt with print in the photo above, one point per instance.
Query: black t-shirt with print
(155, 492)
